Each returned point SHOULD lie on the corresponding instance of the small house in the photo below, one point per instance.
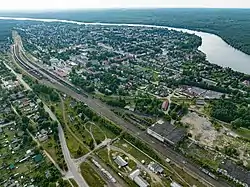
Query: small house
(38, 158)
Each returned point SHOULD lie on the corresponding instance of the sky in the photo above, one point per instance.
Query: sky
(86, 4)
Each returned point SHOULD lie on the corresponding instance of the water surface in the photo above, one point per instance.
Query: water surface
(216, 49)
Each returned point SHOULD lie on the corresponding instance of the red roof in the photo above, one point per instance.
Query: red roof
(165, 105)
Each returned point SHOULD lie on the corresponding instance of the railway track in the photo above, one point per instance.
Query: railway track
(37, 74)
(103, 111)
(31, 70)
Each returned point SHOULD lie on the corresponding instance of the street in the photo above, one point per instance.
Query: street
(105, 112)
(72, 167)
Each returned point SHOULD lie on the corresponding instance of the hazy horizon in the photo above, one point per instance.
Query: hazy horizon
(31, 5)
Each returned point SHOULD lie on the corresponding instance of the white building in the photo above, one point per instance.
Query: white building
(155, 135)
(175, 184)
(120, 161)
(137, 179)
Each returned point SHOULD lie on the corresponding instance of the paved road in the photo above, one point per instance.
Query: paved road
(7, 124)
(70, 163)
(104, 110)
(73, 170)
(78, 161)
(175, 157)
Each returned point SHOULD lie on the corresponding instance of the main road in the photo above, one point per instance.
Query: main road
(72, 166)
(105, 111)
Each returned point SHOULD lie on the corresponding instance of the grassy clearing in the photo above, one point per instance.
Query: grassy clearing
(76, 124)
(73, 182)
(91, 177)
(50, 146)
(132, 151)
(97, 133)
(103, 154)
(244, 133)
(84, 136)
(109, 134)
(76, 149)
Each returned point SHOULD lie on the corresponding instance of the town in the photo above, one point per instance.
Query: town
(99, 105)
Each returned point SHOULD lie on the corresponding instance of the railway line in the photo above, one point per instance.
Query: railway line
(72, 167)
(24, 65)
(104, 111)
(17, 52)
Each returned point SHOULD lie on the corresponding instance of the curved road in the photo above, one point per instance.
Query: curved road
(104, 110)
(73, 170)
(72, 167)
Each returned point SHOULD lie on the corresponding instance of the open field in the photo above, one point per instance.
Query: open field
(76, 149)
(216, 137)
(73, 182)
(200, 154)
(91, 177)
(244, 133)
(201, 128)
(131, 150)
(98, 134)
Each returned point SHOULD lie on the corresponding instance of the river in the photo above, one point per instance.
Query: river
(219, 52)
(216, 49)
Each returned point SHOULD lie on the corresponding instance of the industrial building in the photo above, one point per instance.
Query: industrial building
(120, 161)
(156, 168)
(137, 179)
(166, 132)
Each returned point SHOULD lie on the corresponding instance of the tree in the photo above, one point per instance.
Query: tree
(79, 151)
(52, 184)
(167, 117)
(41, 104)
(61, 182)
(91, 144)
(174, 115)
(52, 108)
(224, 110)
(25, 119)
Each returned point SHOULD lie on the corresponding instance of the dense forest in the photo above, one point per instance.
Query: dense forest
(230, 24)
(228, 111)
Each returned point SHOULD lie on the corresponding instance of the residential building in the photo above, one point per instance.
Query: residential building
(165, 105)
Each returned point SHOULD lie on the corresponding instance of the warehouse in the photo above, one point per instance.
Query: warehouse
(166, 132)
